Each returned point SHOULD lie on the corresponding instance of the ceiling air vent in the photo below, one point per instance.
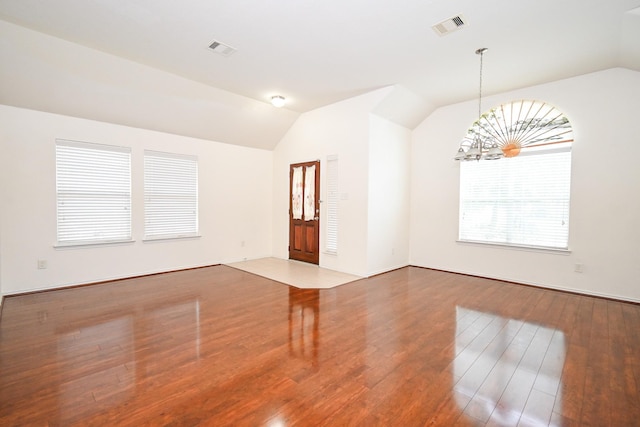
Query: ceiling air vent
(221, 48)
(449, 25)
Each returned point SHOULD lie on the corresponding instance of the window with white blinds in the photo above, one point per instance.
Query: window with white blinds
(332, 205)
(520, 201)
(93, 192)
(170, 195)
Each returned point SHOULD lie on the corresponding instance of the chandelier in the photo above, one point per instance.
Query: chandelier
(507, 130)
(481, 145)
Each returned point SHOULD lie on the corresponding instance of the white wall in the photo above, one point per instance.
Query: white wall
(1, 292)
(234, 196)
(604, 235)
(389, 192)
(244, 194)
(340, 129)
(373, 157)
(45, 73)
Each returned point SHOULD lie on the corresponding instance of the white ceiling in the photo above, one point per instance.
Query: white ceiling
(318, 52)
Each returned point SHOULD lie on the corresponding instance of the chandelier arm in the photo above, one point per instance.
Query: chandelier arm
(466, 142)
(492, 135)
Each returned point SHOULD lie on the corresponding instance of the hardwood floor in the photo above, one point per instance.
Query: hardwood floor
(218, 346)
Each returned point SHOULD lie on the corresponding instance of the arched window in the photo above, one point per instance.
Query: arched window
(522, 199)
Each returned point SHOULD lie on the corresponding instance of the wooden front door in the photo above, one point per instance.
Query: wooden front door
(304, 212)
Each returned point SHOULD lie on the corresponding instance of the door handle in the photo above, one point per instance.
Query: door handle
(316, 218)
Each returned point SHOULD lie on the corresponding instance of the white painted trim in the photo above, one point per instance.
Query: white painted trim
(541, 286)
(559, 251)
(106, 279)
(536, 285)
(82, 245)
(387, 270)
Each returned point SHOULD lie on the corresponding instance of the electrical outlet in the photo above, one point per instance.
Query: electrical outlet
(579, 268)
(42, 264)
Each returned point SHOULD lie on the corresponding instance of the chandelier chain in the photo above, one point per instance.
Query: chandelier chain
(481, 144)
(481, 53)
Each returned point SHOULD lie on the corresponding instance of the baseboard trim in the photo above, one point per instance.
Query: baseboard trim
(381, 272)
(533, 285)
(540, 286)
(101, 282)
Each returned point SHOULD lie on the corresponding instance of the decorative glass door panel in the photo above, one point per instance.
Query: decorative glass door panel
(304, 212)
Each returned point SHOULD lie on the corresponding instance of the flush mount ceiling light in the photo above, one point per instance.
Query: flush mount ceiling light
(277, 101)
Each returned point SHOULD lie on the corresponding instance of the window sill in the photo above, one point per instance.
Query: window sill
(80, 245)
(540, 249)
(168, 238)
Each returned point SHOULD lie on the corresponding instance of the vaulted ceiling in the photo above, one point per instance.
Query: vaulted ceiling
(318, 52)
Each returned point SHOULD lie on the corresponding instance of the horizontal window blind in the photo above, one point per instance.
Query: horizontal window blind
(171, 195)
(521, 201)
(93, 191)
(332, 204)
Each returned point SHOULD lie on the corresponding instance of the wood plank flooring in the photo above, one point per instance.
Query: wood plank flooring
(221, 347)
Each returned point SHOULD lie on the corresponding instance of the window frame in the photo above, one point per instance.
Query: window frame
(519, 244)
(81, 179)
(527, 203)
(188, 229)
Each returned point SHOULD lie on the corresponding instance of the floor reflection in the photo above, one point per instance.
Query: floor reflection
(107, 350)
(304, 322)
(120, 353)
(160, 325)
(507, 371)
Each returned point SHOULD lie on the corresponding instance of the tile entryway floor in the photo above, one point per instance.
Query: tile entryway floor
(295, 273)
